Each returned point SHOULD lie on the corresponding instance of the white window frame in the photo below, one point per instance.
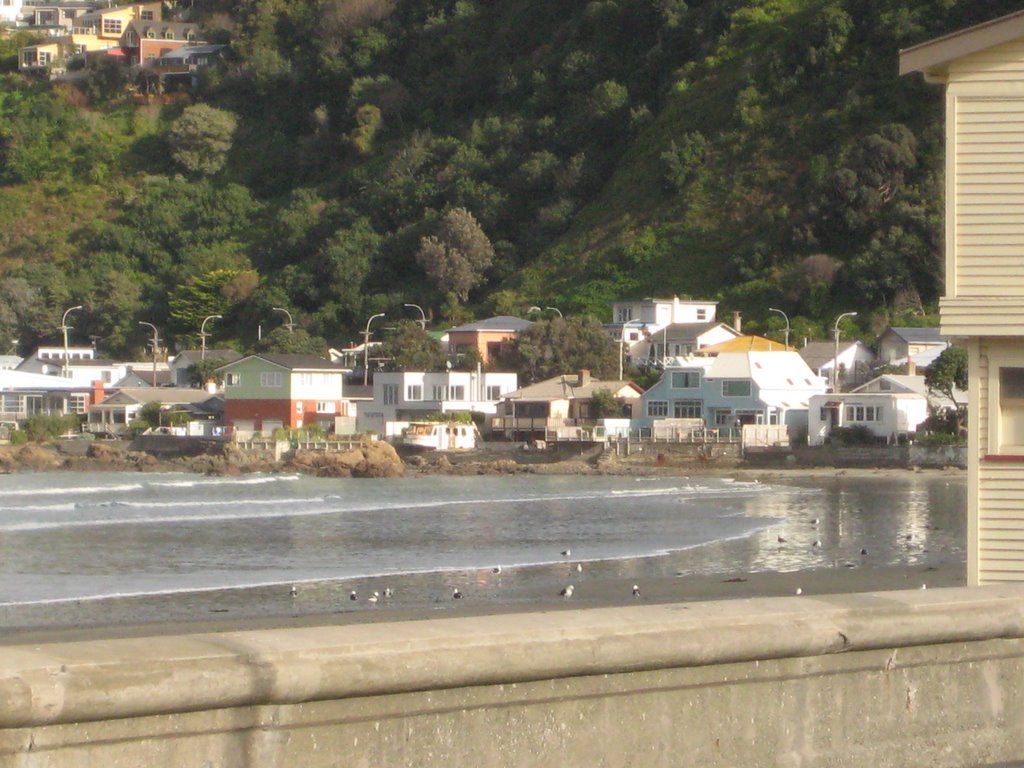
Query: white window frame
(299, 406)
(998, 433)
(232, 379)
(112, 26)
(326, 406)
(493, 392)
(457, 392)
(414, 393)
(271, 379)
(440, 392)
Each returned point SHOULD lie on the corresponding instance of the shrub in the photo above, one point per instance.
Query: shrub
(42, 427)
(855, 435)
(19, 437)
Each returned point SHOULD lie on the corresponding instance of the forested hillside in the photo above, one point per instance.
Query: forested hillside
(473, 158)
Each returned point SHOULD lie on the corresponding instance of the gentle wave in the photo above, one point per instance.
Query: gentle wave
(87, 489)
(285, 508)
(252, 480)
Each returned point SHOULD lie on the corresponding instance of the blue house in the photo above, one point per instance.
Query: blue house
(733, 389)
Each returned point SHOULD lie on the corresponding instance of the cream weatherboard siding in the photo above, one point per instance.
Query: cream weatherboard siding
(983, 71)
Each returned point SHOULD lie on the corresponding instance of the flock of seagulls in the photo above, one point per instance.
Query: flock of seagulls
(567, 591)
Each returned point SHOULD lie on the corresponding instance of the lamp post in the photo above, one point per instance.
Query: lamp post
(203, 334)
(555, 309)
(366, 348)
(423, 318)
(65, 328)
(773, 309)
(289, 325)
(835, 355)
(156, 345)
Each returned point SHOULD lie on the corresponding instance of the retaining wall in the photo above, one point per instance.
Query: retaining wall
(888, 679)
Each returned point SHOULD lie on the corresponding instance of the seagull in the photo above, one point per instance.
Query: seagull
(496, 569)
(294, 590)
(817, 543)
(389, 592)
(799, 591)
(456, 595)
(374, 597)
(352, 595)
(815, 521)
(863, 551)
(567, 592)
(924, 586)
(566, 552)
(579, 567)
(636, 590)
(780, 539)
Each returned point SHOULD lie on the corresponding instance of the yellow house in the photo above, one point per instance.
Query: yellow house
(982, 69)
(99, 30)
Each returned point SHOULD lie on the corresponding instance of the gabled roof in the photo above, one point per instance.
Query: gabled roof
(13, 381)
(508, 323)
(933, 57)
(190, 356)
(291, 362)
(568, 387)
(818, 353)
(902, 383)
(917, 335)
(167, 395)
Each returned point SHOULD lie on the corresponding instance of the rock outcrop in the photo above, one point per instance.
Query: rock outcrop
(374, 459)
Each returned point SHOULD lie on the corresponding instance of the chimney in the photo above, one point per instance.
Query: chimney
(97, 392)
(584, 377)
(737, 321)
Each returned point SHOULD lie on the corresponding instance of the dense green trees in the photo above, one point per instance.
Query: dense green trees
(469, 155)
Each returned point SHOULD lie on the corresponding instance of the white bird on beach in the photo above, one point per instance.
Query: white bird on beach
(374, 597)
(294, 590)
(567, 592)
(579, 567)
(496, 569)
(389, 592)
(456, 594)
(799, 591)
(566, 552)
(352, 595)
(817, 543)
(636, 590)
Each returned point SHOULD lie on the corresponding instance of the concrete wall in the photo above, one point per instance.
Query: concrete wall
(889, 679)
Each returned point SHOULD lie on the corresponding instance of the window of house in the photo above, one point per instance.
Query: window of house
(111, 26)
(634, 336)
(271, 379)
(688, 409)
(390, 394)
(44, 58)
(493, 392)
(150, 34)
(440, 392)
(1011, 410)
(326, 406)
(702, 314)
(624, 314)
(190, 36)
(736, 388)
(414, 392)
(685, 379)
(146, 16)
(657, 408)
(299, 406)
(723, 417)
(863, 413)
(884, 385)
(457, 392)
(232, 379)
(306, 379)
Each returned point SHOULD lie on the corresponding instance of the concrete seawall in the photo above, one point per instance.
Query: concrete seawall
(928, 677)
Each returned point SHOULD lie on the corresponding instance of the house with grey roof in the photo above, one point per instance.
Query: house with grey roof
(852, 364)
(915, 348)
(486, 336)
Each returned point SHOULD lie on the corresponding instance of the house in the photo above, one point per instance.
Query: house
(92, 32)
(9, 362)
(487, 337)
(266, 392)
(982, 69)
(82, 367)
(649, 330)
(55, 18)
(114, 413)
(743, 344)
(732, 389)
(559, 406)
(24, 394)
(10, 12)
(855, 361)
(402, 396)
(181, 364)
(891, 406)
(146, 41)
(914, 348)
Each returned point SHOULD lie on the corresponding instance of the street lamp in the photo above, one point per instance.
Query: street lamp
(366, 348)
(289, 325)
(203, 334)
(65, 328)
(555, 309)
(156, 345)
(773, 309)
(423, 318)
(835, 356)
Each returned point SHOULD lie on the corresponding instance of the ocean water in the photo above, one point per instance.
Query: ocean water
(111, 547)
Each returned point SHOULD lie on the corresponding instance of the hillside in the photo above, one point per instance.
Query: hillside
(762, 152)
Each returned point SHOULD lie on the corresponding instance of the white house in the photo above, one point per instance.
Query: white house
(915, 348)
(82, 366)
(734, 389)
(855, 361)
(24, 394)
(653, 329)
(401, 396)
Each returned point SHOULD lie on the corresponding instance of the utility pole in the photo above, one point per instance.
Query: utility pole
(835, 354)
(156, 345)
(203, 334)
(65, 328)
(366, 348)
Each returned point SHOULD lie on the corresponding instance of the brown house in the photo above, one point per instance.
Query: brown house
(485, 336)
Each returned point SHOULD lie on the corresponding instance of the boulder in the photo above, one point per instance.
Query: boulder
(37, 457)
